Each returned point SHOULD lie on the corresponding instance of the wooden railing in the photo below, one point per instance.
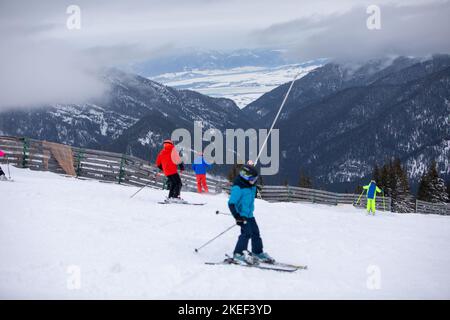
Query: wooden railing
(95, 164)
(432, 208)
(129, 170)
(297, 194)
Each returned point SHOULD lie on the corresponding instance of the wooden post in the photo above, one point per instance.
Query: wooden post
(25, 150)
(80, 155)
(121, 169)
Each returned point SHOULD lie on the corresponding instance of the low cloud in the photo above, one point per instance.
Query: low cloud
(42, 62)
(417, 30)
(45, 73)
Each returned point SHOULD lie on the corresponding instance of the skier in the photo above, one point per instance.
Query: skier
(2, 174)
(372, 191)
(241, 204)
(169, 161)
(200, 166)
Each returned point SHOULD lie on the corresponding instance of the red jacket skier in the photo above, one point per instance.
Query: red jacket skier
(2, 174)
(169, 161)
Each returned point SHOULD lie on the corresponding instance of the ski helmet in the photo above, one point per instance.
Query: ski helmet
(249, 173)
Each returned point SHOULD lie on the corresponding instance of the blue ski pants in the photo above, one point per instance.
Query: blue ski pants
(249, 231)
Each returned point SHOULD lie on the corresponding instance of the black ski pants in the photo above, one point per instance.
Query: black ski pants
(175, 185)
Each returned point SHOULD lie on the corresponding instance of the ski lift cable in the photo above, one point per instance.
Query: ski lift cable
(276, 118)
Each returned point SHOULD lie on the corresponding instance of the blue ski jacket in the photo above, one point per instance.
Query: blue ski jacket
(243, 197)
(372, 189)
(200, 166)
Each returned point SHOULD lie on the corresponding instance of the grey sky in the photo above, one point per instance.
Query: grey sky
(41, 61)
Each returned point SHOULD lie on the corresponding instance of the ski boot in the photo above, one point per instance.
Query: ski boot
(175, 200)
(263, 257)
(243, 258)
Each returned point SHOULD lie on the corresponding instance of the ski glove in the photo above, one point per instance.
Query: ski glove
(181, 166)
(240, 220)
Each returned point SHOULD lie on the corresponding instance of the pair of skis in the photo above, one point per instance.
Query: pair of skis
(181, 201)
(274, 266)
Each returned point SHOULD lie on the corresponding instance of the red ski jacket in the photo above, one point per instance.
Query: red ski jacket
(168, 159)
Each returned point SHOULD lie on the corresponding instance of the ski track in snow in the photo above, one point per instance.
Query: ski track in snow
(136, 248)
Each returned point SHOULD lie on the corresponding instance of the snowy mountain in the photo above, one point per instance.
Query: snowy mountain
(337, 123)
(134, 117)
(65, 238)
(197, 59)
(340, 120)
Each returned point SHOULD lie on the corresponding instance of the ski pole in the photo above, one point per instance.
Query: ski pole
(144, 186)
(9, 173)
(224, 213)
(359, 198)
(197, 249)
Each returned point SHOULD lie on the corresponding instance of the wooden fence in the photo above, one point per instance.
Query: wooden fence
(129, 170)
(297, 194)
(95, 164)
(432, 208)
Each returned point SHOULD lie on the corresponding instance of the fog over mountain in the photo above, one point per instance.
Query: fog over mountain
(44, 62)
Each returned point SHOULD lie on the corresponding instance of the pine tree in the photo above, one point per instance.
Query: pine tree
(448, 190)
(358, 189)
(304, 181)
(376, 175)
(423, 193)
(402, 200)
(384, 179)
(393, 180)
(432, 187)
(438, 190)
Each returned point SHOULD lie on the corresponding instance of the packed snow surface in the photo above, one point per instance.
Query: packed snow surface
(66, 238)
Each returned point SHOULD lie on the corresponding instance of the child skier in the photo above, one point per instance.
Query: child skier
(169, 161)
(241, 204)
(372, 191)
(200, 166)
(2, 174)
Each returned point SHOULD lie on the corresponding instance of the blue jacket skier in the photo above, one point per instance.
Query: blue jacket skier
(242, 205)
(200, 166)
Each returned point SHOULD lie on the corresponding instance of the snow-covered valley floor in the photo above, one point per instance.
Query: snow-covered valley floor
(243, 85)
(66, 238)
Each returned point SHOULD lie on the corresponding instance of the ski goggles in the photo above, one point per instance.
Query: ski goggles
(249, 178)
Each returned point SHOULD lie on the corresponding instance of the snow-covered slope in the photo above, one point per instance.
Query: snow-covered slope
(243, 85)
(136, 248)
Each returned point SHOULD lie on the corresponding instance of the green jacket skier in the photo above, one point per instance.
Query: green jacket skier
(372, 191)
